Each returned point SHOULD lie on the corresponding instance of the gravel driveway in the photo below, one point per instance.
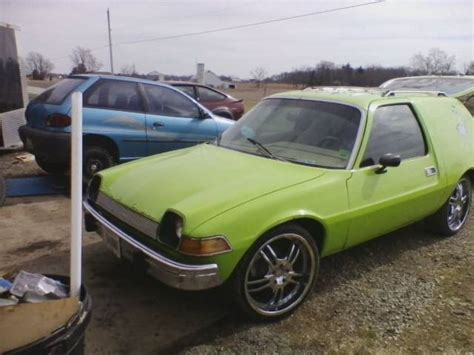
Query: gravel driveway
(408, 291)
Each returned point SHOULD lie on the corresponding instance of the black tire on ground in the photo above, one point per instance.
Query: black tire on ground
(52, 168)
(96, 159)
(3, 191)
(453, 215)
(279, 277)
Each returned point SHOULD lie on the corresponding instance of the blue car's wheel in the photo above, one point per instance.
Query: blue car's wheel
(95, 159)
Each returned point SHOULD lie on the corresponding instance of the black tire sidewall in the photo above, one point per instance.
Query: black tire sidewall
(238, 278)
(96, 153)
(439, 221)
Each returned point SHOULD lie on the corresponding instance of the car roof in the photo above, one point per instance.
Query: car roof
(429, 80)
(119, 77)
(177, 82)
(360, 97)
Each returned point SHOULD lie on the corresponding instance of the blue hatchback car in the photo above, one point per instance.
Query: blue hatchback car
(124, 119)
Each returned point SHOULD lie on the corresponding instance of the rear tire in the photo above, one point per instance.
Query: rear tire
(96, 159)
(453, 215)
(277, 273)
(52, 168)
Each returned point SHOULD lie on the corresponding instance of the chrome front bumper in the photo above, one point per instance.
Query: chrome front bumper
(170, 272)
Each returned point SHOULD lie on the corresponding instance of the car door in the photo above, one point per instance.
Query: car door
(383, 202)
(173, 121)
(114, 109)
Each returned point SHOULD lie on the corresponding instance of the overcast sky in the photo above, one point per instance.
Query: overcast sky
(387, 33)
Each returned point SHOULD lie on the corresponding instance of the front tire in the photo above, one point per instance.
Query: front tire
(277, 273)
(453, 215)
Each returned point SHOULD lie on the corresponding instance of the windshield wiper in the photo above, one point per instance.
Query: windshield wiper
(264, 149)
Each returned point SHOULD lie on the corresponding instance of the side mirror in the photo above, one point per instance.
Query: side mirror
(205, 115)
(388, 160)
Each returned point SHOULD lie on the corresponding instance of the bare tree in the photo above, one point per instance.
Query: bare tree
(38, 66)
(84, 61)
(436, 61)
(128, 69)
(258, 74)
(469, 68)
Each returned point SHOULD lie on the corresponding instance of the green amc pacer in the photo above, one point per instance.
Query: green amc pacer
(303, 175)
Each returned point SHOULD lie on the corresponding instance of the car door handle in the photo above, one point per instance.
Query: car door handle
(158, 124)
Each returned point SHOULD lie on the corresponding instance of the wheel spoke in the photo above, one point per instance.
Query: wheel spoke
(277, 297)
(272, 252)
(260, 284)
(295, 274)
(292, 250)
(295, 256)
(290, 266)
(268, 259)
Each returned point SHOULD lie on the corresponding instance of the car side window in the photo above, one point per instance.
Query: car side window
(395, 130)
(187, 89)
(114, 94)
(167, 102)
(469, 104)
(206, 94)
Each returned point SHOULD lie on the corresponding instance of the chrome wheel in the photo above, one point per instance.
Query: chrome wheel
(280, 274)
(458, 205)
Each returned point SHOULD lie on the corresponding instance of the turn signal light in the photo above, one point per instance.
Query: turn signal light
(58, 120)
(204, 247)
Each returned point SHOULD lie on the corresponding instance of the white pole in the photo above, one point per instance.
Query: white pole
(110, 43)
(76, 195)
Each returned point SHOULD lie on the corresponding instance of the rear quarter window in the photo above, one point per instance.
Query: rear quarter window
(56, 94)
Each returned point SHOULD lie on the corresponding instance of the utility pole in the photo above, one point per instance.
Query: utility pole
(110, 44)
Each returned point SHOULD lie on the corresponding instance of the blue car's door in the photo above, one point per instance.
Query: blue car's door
(173, 121)
(115, 109)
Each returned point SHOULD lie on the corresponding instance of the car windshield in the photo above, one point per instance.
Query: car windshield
(306, 132)
(450, 86)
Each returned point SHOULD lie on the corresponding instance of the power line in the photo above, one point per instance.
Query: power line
(281, 19)
(252, 24)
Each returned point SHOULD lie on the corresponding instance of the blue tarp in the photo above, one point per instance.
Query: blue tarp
(36, 186)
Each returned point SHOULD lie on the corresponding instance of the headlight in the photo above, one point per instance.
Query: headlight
(204, 246)
(178, 226)
(171, 229)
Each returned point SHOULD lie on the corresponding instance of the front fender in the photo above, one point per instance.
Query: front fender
(323, 200)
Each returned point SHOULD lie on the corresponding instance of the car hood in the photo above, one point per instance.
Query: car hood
(199, 182)
(222, 120)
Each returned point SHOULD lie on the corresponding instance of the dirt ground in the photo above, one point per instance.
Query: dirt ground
(405, 292)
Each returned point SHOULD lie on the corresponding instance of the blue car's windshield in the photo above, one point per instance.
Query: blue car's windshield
(301, 131)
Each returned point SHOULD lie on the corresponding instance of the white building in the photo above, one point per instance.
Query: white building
(210, 78)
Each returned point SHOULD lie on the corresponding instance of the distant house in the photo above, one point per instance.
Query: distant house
(155, 75)
(213, 80)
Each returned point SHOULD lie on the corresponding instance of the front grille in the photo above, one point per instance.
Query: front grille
(127, 216)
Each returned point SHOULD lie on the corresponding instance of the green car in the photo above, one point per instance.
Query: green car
(303, 175)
